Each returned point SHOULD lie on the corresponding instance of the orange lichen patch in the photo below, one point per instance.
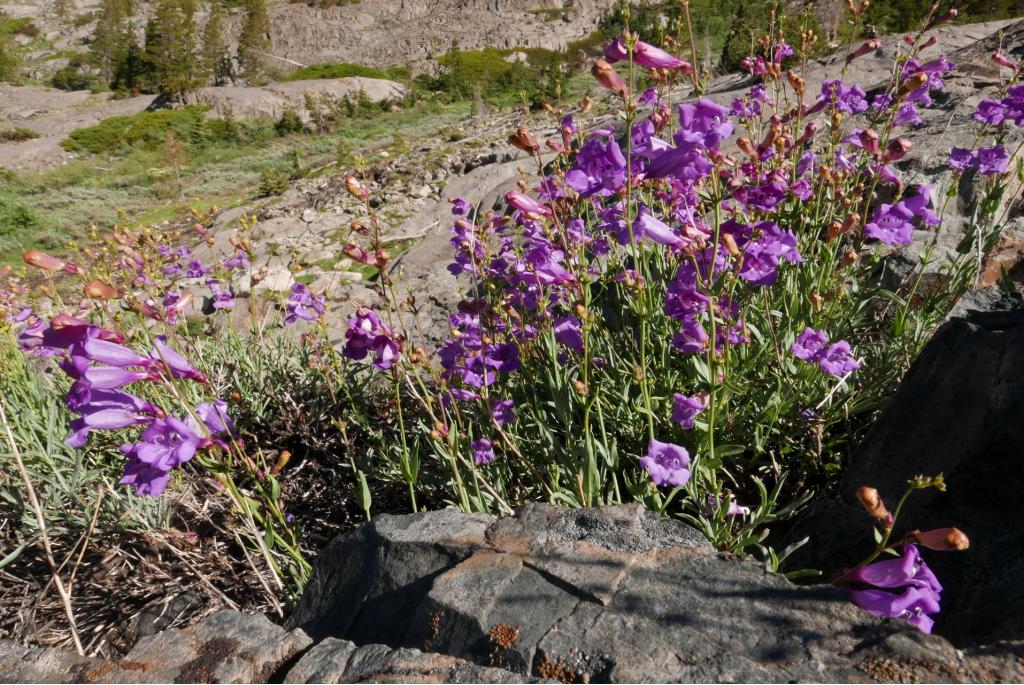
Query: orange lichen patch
(504, 636)
(556, 670)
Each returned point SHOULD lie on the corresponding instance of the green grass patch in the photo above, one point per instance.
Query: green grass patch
(17, 134)
(345, 70)
(118, 133)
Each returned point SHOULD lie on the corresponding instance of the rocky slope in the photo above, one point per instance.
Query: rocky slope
(412, 191)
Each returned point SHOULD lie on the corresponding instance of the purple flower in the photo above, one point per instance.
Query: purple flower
(196, 269)
(812, 347)
(960, 159)
(734, 509)
(483, 451)
(165, 445)
(215, 416)
(175, 364)
(102, 418)
(992, 160)
(460, 206)
(809, 345)
(903, 588)
(891, 224)
(302, 304)
(503, 412)
(222, 298)
(686, 408)
(600, 167)
(907, 115)
(367, 333)
(668, 464)
(686, 162)
(644, 54)
(568, 332)
(240, 261)
(646, 226)
(837, 361)
(850, 99)
(105, 352)
(991, 112)
(762, 255)
(146, 479)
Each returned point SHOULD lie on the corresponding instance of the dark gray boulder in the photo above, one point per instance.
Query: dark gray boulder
(608, 595)
(341, 661)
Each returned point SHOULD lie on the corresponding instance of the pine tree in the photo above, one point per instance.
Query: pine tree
(112, 38)
(216, 63)
(173, 67)
(255, 36)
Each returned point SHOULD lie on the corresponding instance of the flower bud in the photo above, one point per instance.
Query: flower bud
(932, 40)
(523, 140)
(1002, 60)
(746, 147)
(869, 139)
(949, 16)
(896, 149)
(43, 261)
(942, 539)
(866, 48)
(873, 504)
(796, 81)
(918, 80)
(586, 104)
(356, 189)
(581, 387)
(282, 460)
(730, 244)
(97, 290)
(849, 257)
(809, 132)
(606, 75)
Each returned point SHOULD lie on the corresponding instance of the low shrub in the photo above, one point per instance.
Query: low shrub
(117, 134)
(16, 134)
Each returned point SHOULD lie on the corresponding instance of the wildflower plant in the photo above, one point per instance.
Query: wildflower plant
(685, 310)
(903, 587)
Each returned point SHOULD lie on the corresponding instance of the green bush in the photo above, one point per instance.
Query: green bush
(345, 70)
(289, 123)
(16, 220)
(118, 134)
(16, 134)
(274, 181)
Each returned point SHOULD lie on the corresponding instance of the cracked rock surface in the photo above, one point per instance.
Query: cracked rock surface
(607, 595)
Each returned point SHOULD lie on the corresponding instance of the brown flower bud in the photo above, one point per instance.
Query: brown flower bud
(581, 387)
(523, 140)
(942, 539)
(606, 75)
(356, 189)
(282, 460)
(41, 260)
(917, 80)
(796, 81)
(746, 147)
(873, 504)
(97, 290)
(586, 104)
(730, 244)
(949, 16)
(849, 257)
(896, 149)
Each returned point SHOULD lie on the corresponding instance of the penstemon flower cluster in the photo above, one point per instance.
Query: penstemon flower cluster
(100, 368)
(675, 298)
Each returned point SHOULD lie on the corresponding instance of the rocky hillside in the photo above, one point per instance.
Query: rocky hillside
(392, 32)
(372, 32)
